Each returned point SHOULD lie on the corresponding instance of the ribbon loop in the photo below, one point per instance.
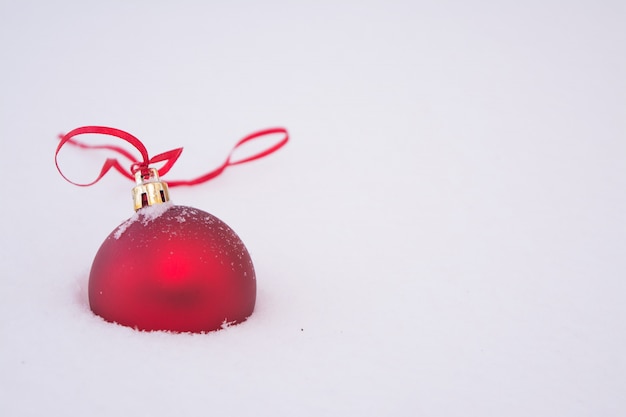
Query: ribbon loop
(110, 162)
(217, 171)
(170, 157)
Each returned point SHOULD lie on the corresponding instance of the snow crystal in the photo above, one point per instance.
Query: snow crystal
(122, 227)
(226, 324)
(146, 215)
(150, 213)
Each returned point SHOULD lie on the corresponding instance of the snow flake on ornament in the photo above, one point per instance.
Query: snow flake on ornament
(226, 324)
(146, 215)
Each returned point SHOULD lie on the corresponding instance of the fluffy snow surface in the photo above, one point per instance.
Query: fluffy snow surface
(444, 235)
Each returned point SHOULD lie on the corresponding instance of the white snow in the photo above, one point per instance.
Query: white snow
(443, 236)
(145, 214)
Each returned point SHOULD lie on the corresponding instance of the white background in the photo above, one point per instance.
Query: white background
(444, 235)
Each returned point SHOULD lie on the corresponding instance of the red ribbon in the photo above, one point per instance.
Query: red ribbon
(168, 157)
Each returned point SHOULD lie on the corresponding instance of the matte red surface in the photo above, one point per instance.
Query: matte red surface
(183, 271)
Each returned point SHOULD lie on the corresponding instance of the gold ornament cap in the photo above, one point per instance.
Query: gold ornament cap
(150, 190)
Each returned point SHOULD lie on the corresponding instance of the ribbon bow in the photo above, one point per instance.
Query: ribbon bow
(170, 157)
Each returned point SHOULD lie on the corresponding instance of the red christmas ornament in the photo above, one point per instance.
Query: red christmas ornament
(170, 267)
(182, 270)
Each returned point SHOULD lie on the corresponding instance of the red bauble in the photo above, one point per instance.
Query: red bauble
(173, 268)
